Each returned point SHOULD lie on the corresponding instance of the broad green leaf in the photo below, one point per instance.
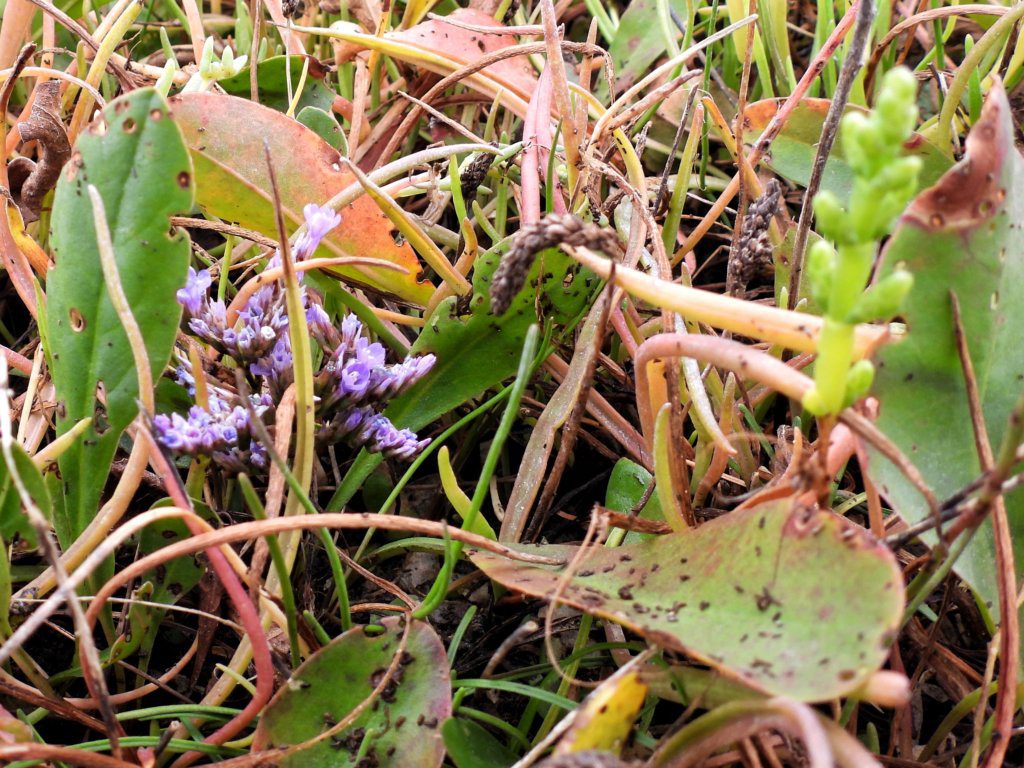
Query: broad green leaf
(477, 350)
(135, 156)
(170, 582)
(402, 729)
(471, 746)
(225, 136)
(324, 125)
(639, 41)
(626, 488)
(754, 594)
(792, 152)
(272, 82)
(962, 235)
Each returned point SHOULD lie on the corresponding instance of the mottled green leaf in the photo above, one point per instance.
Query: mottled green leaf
(755, 594)
(135, 156)
(402, 729)
(640, 40)
(626, 488)
(324, 125)
(792, 152)
(962, 235)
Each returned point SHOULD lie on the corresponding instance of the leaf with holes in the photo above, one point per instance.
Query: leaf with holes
(225, 136)
(754, 594)
(792, 152)
(963, 235)
(402, 728)
(135, 156)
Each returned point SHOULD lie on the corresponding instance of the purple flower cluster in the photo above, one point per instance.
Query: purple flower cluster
(352, 386)
(223, 431)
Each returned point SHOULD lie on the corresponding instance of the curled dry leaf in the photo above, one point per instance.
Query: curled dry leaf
(30, 180)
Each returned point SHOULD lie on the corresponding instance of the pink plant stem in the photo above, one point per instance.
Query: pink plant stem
(248, 617)
(618, 321)
(745, 362)
(537, 135)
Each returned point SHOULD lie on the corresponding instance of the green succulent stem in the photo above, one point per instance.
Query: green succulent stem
(883, 184)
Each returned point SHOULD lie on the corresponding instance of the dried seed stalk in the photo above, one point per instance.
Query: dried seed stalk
(556, 229)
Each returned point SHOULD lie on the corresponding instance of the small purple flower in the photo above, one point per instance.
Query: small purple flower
(277, 364)
(351, 329)
(354, 380)
(396, 379)
(357, 368)
(193, 295)
(379, 435)
(319, 221)
(184, 377)
(318, 320)
(220, 431)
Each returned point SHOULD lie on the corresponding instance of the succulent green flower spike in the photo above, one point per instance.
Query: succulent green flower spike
(211, 69)
(837, 275)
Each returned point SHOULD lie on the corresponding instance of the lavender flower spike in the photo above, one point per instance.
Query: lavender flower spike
(193, 295)
(319, 221)
(366, 428)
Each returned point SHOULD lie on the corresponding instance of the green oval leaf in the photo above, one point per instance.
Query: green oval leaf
(963, 235)
(754, 594)
(135, 156)
(401, 729)
(792, 152)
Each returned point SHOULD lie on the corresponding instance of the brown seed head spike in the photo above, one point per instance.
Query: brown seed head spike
(754, 250)
(551, 231)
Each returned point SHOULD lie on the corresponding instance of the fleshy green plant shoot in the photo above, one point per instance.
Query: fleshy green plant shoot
(839, 267)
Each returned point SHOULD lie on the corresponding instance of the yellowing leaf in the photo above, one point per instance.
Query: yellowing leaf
(29, 248)
(606, 717)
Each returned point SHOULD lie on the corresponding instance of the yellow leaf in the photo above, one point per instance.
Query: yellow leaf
(606, 717)
(29, 248)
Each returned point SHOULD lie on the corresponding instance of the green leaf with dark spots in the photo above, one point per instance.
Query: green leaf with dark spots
(790, 600)
(135, 156)
(402, 729)
(962, 235)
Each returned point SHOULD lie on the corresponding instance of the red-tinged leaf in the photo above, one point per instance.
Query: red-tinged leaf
(225, 136)
(467, 46)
